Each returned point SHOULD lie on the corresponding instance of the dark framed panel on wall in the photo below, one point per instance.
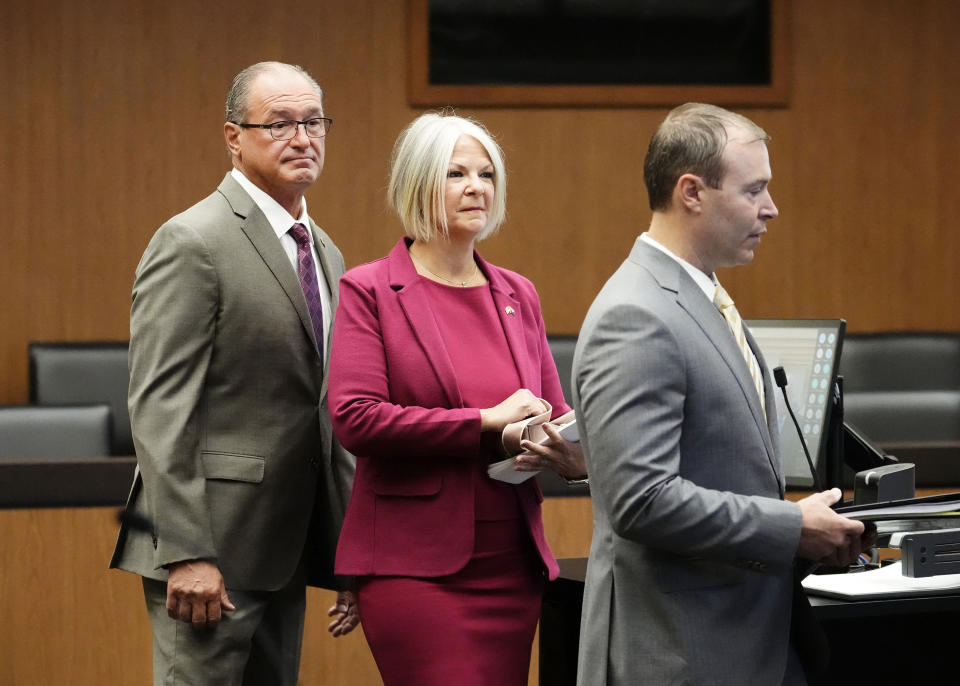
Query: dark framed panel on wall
(603, 53)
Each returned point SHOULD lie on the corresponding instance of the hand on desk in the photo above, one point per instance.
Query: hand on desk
(828, 537)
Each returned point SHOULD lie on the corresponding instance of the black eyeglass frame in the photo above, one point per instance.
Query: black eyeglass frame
(297, 124)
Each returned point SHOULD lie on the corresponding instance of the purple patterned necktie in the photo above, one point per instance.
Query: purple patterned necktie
(308, 280)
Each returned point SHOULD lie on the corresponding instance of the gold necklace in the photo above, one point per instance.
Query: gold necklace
(461, 284)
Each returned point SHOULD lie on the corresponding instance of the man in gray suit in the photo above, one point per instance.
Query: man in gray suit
(241, 486)
(691, 571)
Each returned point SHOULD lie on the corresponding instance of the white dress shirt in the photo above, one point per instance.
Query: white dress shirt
(281, 221)
(708, 284)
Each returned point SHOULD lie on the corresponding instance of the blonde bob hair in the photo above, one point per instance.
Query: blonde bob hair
(421, 159)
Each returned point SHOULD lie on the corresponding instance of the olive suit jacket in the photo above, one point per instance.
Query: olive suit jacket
(236, 457)
(690, 578)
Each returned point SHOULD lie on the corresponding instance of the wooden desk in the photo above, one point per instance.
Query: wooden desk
(65, 618)
(66, 482)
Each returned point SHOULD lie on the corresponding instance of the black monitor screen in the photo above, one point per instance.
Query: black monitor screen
(809, 351)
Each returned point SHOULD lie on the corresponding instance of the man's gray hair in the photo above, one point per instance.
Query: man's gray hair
(238, 99)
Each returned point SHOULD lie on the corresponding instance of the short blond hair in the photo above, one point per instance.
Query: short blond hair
(421, 157)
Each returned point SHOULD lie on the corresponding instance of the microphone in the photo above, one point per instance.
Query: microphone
(780, 377)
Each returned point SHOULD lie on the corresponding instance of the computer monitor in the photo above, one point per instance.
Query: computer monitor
(809, 351)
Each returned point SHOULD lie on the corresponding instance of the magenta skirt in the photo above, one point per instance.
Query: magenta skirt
(471, 628)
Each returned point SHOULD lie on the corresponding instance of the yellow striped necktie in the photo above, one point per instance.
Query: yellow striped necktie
(725, 304)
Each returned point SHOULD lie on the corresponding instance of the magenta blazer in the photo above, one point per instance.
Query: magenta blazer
(396, 405)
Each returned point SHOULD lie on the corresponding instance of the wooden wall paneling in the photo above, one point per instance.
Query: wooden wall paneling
(863, 143)
(65, 618)
(568, 523)
(127, 105)
(573, 210)
(365, 94)
(328, 660)
(124, 104)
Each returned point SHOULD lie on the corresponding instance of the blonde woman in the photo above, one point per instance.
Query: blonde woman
(435, 350)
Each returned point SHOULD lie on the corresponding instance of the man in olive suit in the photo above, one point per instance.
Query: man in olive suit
(241, 486)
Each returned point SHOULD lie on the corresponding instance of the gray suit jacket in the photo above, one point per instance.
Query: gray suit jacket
(228, 403)
(690, 572)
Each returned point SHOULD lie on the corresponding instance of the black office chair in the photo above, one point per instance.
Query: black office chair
(29, 432)
(562, 348)
(80, 373)
(900, 361)
(902, 389)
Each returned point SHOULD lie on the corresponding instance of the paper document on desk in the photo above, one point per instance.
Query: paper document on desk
(885, 582)
(505, 470)
(946, 505)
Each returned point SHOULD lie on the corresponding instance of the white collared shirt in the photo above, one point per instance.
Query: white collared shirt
(708, 284)
(281, 221)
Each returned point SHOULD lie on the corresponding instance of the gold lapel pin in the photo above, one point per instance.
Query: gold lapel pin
(509, 310)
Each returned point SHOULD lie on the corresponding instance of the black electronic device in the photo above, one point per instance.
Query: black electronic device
(803, 355)
(859, 452)
(882, 484)
(850, 452)
(928, 553)
(809, 351)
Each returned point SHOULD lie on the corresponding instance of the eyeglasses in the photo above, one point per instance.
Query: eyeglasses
(285, 130)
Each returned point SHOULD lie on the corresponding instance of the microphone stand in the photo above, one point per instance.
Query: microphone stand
(780, 377)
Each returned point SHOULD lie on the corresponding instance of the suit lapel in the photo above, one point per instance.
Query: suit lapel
(691, 298)
(416, 308)
(332, 272)
(712, 323)
(773, 431)
(264, 240)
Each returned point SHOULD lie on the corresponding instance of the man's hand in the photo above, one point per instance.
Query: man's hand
(558, 454)
(344, 613)
(828, 537)
(196, 594)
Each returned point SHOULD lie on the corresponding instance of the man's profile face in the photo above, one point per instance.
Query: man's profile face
(281, 168)
(737, 212)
